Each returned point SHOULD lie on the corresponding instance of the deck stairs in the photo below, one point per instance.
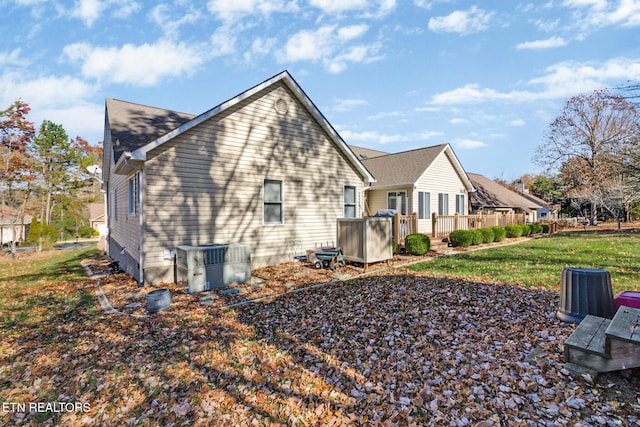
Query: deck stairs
(606, 345)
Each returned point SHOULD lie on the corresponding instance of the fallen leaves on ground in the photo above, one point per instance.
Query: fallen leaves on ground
(391, 349)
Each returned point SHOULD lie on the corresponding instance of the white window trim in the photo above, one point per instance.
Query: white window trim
(355, 200)
(427, 214)
(460, 209)
(282, 192)
(131, 195)
(441, 211)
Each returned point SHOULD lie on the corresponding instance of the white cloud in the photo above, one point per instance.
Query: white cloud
(370, 9)
(166, 19)
(381, 138)
(328, 45)
(458, 121)
(472, 93)
(542, 44)
(88, 10)
(343, 105)
(571, 77)
(142, 65)
(462, 21)
(591, 15)
(352, 32)
(11, 58)
(517, 122)
(384, 115)
(237, 9)
(223, 41)
(561, 80)
(333, 6)
(259, 47)
(63, 100)
(428, 4)
(468, 144)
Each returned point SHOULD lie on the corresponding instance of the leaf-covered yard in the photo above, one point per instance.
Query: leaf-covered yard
(394, 349)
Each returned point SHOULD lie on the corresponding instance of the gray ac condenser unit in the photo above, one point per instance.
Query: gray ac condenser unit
(207, 267)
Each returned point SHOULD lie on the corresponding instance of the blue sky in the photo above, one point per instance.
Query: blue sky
(487, 77)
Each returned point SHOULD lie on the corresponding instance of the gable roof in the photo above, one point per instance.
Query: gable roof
(407, 167)
(134, 125)
(492, 194)
(366, 153)
(137, 155)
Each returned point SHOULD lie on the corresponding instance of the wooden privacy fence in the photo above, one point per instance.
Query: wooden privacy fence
(442, 225)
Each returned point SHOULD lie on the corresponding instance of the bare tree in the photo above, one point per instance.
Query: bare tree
(590, 143)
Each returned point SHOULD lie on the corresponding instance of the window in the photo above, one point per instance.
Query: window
(272, 202)
(424, 205)
(134, 193)
(443, 204)
(349, 201)
(115, 204)
(460, 204)
(397, 201)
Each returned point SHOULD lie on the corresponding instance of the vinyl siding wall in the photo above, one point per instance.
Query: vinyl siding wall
(124, 229)
(440, 177)
(205, 186)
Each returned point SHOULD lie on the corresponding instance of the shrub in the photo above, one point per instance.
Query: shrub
(487, 235)
(462, 238)
(417, 244)
(499, 233)
(86, 231)
(394, 247)
(513, 230)
(477, 237)
(545, 228)
(536, 228)
(526, 229)
(47, 232)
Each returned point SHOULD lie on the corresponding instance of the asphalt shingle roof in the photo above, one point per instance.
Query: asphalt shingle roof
(492, 194)
(403, 168)
(135, 125)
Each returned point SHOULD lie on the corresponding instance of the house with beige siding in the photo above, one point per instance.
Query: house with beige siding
(264, 168)
(422, 181)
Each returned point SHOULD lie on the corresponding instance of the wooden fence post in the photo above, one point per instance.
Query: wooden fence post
(434, 225)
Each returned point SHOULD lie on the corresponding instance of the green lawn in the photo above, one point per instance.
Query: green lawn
(539, 262)
(37, 288)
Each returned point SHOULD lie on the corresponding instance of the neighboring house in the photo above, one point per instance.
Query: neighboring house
(13, 227)
(547, 211)
(422, 181)
(264, 168)
(97, 217)
(491, 198)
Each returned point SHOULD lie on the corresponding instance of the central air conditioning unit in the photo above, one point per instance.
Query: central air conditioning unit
(208, 267)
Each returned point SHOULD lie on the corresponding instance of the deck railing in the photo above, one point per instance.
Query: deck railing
(403, 225)
(442, 225)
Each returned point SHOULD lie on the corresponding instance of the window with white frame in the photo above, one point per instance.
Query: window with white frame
(134, 193)
(460, 204)
(424, 205)
(443, 204)
(272, 202)
(349, 201)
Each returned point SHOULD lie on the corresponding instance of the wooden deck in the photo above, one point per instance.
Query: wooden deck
(606, 345)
